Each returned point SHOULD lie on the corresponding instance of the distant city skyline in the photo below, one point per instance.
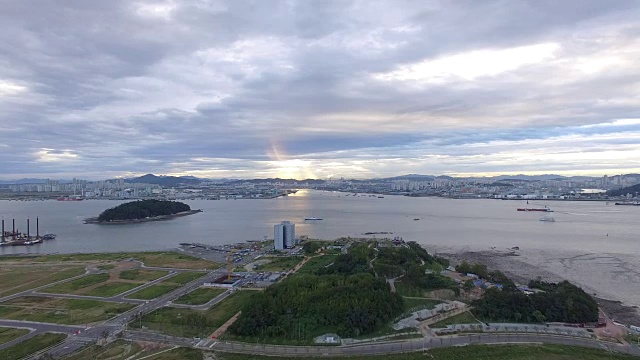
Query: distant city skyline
(353, 89)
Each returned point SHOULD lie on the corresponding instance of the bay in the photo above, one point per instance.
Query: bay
(592, 243)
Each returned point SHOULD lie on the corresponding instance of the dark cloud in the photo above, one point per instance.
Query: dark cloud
(365, 88)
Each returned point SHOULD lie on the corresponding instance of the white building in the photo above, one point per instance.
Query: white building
(284, 235)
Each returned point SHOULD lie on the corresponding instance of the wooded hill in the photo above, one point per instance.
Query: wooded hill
(142, 209)
(562, 302)
(624, 191)
(348, 297)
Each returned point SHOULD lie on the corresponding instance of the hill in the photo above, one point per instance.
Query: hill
(412, 177)
(348, 296)
(633, 190)
(143, 210)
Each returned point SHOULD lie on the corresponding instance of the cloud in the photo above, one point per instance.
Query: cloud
(296, 88)
(473, 64)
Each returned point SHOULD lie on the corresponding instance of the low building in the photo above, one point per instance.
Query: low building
(327, 339)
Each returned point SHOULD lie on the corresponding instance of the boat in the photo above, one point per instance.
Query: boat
(313, 218)
(548, 219)
(416, 219)
(628, 203)
(48, 236)
(544, 209)
(380, 197)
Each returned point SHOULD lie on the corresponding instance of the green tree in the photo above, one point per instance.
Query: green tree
(468, 285)
(537, 314)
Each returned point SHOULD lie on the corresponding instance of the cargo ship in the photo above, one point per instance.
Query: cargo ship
(544, 209)
(628, 203)
(313, 218)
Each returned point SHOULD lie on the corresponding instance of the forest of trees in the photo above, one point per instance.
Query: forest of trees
(142, 209)
(305, 306)
(350, 297)
(419, 270)
(561, 302)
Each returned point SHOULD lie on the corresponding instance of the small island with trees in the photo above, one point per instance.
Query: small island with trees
(142, 211)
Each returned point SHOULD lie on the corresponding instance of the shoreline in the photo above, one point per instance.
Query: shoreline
(94, 220)
(519, 271)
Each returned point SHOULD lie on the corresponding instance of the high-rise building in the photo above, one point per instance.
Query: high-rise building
(284, 235)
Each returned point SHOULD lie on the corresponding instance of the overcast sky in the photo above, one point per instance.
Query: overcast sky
(313, 89)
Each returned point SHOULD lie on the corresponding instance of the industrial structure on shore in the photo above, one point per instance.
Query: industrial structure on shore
(15, 237)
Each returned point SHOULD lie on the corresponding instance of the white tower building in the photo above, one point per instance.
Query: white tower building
(284, 235)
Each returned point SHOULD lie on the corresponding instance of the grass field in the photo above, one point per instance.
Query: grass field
(166, 286)
(106, 267)
(190, 323)
(110, 289)
(100, 285)
(464, 318)
(8, 334)
(71, 287)
(142, 274)
(199, 296)
(179, 354)
(153, 291)
(185, 277)
(157, 259)
(15, 279)
(411, 303)
(30, 346)
(279, 263)
(316, 263)
(60, 311)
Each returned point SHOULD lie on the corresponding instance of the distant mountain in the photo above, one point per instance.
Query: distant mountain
(530, 177)
(624, 191)
(165, 181)
(445, 177)
(412, 177)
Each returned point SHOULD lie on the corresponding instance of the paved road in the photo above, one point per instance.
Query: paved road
(406, 346)
(35, 329)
